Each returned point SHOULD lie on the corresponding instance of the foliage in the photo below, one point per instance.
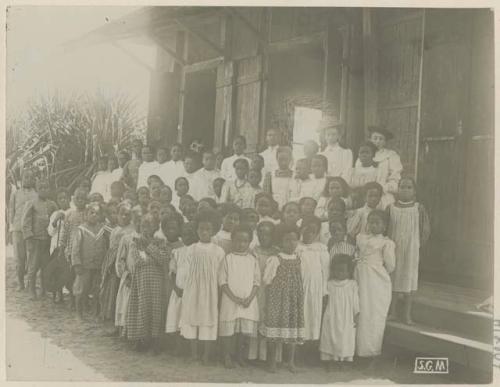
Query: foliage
(61, 137)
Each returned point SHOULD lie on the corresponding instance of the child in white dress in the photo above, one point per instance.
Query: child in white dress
(409, 228)
(357, 222)
(179, 268)
(280, 183)
(314, 262)
(376, 260)
(239, 279)
(199, 312)
(338, 332)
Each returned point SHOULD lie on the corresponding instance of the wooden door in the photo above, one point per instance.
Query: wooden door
(444, 135)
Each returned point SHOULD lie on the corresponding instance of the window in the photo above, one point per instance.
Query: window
(305, 127)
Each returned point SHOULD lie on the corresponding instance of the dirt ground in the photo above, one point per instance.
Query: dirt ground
(115, 360)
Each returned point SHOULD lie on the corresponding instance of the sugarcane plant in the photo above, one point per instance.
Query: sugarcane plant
(62, 136)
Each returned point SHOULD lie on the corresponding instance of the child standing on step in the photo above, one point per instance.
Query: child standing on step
(409, 228)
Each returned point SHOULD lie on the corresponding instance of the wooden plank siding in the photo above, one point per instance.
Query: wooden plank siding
(399, 60)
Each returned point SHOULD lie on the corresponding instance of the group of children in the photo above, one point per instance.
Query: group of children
(256, 254)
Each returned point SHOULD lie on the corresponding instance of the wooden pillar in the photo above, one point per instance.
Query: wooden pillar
(224, 101)
(370, 58)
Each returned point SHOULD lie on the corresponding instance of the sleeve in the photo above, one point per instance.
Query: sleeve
(65, 232)
(76, 257)
(424, 225)
(256, 273)
(51, 230)
(347, 167)
(12, 207)
(354, 224)
(325, 270)
(394, 172)
(225, 193)
(272, 264)
(121, 258)
(223, 272)
(321, 209)
(172, 266)
(389, 256)
(355, 298)
(27, 222)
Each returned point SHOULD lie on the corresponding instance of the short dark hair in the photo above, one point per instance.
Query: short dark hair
(310, 220)
(210, 216)
(241, 161)
(179, 179)
(175, 217)
(338, 179)
(373, 185)
(321, 158)
(282, 229)
(242, 229)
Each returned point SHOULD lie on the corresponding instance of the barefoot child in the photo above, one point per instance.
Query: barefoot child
(284, 314)
(179, 268)
(338, 332)
(264, 250)
(145, 308)
(199, 314)
(314, 261)
(88, 249)
(372, 273)
(409, 228)
(239, 279)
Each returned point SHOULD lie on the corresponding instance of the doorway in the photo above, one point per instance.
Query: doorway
(199, 107)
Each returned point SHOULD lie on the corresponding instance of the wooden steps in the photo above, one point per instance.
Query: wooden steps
(447, 324)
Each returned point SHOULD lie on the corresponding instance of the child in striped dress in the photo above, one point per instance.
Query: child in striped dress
(409, 228)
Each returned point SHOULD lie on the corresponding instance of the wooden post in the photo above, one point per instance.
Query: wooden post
(370, 69)
(182, 43)
(419, 107)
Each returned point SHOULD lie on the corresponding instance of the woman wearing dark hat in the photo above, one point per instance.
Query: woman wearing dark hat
(388, 160)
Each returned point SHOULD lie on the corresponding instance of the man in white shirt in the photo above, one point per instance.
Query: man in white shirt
(269, 155)
(148, 167)
(239, 146)
(204, 177)
(173, 168)
(340, 161)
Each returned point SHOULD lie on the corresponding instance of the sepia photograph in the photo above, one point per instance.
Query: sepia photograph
(249, 194)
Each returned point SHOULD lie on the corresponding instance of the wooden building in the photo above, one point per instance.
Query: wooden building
(427, 75)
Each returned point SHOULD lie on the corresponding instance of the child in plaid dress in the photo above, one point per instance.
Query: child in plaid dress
(284, 320)
(144, 314)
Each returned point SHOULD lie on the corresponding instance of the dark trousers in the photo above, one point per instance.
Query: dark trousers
(19, 245)
(38, 257)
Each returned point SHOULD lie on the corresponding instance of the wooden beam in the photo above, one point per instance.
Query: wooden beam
(132, 56)
(204, 65)
(167, 49)
(190, 30)
(248, 24)
(288, 44)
